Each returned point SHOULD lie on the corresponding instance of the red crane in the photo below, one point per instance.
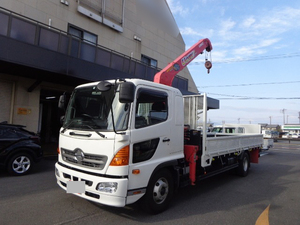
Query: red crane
(166, 75)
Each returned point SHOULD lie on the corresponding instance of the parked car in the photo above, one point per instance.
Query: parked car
(295, 135)
(286, 135)
(19, 149)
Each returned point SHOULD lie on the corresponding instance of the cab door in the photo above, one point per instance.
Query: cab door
(150, 134)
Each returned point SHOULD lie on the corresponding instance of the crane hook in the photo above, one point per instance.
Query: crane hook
(208, 65)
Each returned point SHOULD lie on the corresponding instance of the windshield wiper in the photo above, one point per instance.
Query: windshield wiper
(94, 122)
(68, 125)
(97, 132)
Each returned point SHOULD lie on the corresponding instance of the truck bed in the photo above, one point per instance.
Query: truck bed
(221, 144)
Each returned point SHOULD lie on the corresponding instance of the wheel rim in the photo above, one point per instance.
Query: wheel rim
(160, 191)
(21, 164)
(245, 164)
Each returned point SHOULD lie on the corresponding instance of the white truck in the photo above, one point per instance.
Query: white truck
(128, 140)
(268, 141)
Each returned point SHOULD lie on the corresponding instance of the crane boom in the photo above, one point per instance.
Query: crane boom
(166, 75)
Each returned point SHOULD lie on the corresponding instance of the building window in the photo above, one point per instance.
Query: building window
(149, 61)
(83, 34)
(107, 12)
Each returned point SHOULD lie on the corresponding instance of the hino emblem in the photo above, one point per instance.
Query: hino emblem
(79, 155)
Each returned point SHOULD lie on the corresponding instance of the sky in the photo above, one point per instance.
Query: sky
(255, 57)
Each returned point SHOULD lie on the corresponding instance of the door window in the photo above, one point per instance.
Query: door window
(151, 108)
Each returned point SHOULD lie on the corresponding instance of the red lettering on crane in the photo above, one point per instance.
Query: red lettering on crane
(166, 75)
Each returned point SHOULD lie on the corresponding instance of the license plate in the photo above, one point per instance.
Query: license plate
(75, 187)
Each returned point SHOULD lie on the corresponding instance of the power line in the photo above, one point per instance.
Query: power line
(292, 55)
(289, 55)
(236, 85)
(238, 97)
(259, 98)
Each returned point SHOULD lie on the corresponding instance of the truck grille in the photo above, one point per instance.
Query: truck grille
(78, 157)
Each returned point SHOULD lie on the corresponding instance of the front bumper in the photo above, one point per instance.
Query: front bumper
(117, 199)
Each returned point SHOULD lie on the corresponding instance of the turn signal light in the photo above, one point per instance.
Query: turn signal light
(58, 150)
(121, 158)
(136, 171)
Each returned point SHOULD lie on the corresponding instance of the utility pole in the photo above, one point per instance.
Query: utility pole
(270, 119)
(283, 112)
(240, 118)
(299, 117)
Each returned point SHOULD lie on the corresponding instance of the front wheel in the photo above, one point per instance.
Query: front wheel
(159, 192)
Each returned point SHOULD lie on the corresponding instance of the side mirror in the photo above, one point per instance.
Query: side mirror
(126, 93)
(62, 103)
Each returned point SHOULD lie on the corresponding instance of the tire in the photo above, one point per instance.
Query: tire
(159, 192)
(244, 163)
(19, 164)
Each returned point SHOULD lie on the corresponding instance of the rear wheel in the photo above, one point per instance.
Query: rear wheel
(19, 164)
(159, 192)
(243, 168)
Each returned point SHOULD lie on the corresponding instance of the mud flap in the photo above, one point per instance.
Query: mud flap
(254, 155)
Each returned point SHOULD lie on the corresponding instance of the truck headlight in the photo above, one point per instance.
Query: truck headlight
(108, 187)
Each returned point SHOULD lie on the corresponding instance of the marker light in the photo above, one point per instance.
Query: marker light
(136, 171)
(57, 172)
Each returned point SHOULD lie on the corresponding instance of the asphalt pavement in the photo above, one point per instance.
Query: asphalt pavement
(273, 184)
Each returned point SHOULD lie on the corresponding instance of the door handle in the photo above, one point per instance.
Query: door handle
(166, 140)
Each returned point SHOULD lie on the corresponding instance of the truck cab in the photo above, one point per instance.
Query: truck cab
(107, 139)
(227, 130)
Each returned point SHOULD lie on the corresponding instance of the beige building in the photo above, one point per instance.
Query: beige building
(50, 46)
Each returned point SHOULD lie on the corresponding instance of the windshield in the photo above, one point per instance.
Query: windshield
(90, 109)
(217, 130)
